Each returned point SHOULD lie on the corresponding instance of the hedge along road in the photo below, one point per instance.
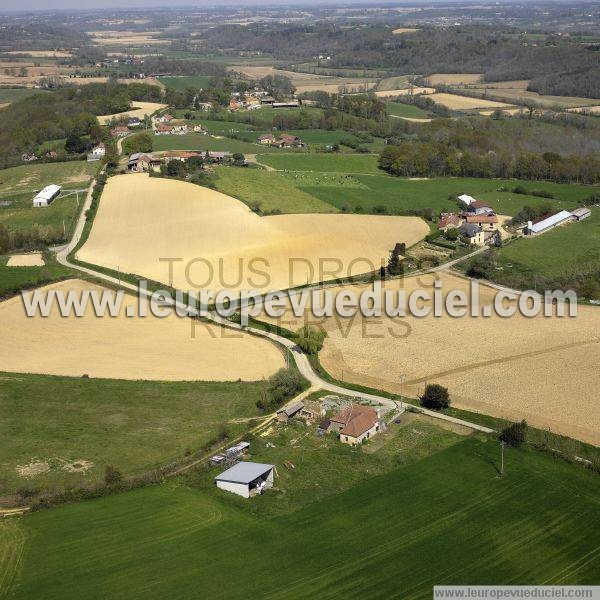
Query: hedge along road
(302, 361)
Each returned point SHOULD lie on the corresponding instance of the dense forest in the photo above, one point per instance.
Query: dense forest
(555, 63)
(39, 36)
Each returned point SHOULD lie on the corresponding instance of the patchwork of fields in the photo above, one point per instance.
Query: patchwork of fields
(237, 248)
(510, 368)
(161, 541)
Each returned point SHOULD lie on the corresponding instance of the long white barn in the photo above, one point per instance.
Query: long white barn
(47, 195)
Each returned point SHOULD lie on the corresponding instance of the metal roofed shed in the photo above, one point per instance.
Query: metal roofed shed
(287, 412)
(554, 220)
(581, 213)
(246, 479)
(46, 196)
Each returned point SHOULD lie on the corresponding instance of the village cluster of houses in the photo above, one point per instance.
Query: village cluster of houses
(353, 423)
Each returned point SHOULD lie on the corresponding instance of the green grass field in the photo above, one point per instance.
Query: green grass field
(18, 186)
(180, 83)
(558, 252)
(9, 95)
(270, 190)
(13, 279)
(323, 163)
(197, 141)
(398, 109)
(133, 425)
(446, 519)
(325, 178)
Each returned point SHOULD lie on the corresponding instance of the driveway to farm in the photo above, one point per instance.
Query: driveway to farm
(302, 361)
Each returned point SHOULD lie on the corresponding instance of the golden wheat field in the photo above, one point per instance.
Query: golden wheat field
(217, 241)
(404, 92)
(456, 102)
(453, 78)
(402, 30)
(152, 348)
(543, 369)
(592, 110)
(522, 95)
(139, 110)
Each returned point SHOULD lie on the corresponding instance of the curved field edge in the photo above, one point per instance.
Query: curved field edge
(525, 527)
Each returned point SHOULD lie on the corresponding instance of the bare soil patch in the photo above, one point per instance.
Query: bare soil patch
(33, 259)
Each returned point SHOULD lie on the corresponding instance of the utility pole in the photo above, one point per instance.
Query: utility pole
(402, 378)
(502, 444)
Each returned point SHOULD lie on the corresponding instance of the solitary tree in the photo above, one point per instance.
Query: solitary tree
(394, 266)
(310, 339)
(435, 397)
(112, 475)
(515, 434)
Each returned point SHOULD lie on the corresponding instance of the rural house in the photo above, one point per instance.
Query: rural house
(289, 141)
(266, 139)
(246, 479)
(471, 234)
(163, 129)
(119, 131)
(449, 221)
(479, 208)
(487, 222)
(355, 423)
(141, 163)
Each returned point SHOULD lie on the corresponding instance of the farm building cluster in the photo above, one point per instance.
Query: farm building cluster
(352, 423)
(256, 99)
(284, 140)
(143, 162)
(477, 224)
(166, 124)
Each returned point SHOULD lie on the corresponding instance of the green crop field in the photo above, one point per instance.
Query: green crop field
(180, 83)
(396, 534)
(13, 279)
(133, 425)
(270, 191)
(398, 109)
(197, 141)
(323, 163)
(558, 252)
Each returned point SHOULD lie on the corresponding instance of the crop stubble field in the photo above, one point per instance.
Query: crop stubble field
(138, 109)
(149, 348)
(213, 238)
(541, 369)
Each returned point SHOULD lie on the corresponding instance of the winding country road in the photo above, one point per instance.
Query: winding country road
(302, 362)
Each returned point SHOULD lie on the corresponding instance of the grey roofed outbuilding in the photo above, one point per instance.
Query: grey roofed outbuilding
(292, 409)
(244, 472)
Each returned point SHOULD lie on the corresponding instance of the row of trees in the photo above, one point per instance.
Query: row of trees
(425, 159)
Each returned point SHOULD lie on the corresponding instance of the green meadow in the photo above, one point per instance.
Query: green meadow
(560, 251)
(198, 141)
(180, 83)
(132, 425)
(448, 518)
(399, 109)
